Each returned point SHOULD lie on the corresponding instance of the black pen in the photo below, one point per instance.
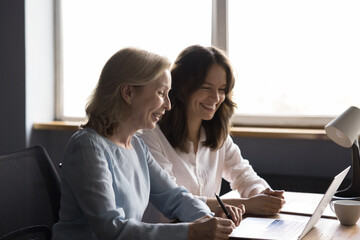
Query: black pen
(223, 207)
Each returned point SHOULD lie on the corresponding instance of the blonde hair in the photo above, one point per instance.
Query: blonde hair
(106, 108)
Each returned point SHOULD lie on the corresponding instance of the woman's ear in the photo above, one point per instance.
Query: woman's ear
(127, 93)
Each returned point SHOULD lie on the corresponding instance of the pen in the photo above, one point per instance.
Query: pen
(223, 207)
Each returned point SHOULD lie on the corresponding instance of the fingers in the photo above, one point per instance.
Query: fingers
(279, 194)
(275, 199)
(273, 205)
(210, 228)
(241, 212)
(236, 213)
(275, 193)
(226, 226)
(267, 191)
(264, 204)
(223, 229)
(242, 208)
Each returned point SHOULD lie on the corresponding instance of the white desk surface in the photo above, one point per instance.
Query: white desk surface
(296, 203)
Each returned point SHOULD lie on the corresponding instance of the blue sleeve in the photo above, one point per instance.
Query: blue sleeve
(89, 197)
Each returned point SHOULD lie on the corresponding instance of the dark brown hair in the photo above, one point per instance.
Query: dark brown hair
(188, 74)
(106, 108)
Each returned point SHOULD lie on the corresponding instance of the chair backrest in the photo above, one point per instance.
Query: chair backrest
(29, 190)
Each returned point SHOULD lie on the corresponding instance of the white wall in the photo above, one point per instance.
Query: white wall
(39, 45)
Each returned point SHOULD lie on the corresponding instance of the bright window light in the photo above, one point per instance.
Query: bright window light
(93, 30)
(295, 58)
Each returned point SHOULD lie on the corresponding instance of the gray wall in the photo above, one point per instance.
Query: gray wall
(12, 74)
(286, 163)
(296, 164)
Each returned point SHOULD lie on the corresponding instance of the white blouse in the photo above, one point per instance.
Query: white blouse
(202, 172)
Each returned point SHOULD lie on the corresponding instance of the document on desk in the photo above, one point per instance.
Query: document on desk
(268, 228)
(304, 204)
(297, 203)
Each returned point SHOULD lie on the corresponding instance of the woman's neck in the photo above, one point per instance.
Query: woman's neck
(122, 136)
(194, 132)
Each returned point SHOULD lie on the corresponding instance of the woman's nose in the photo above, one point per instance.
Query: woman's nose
(167, 103)
(215, 95)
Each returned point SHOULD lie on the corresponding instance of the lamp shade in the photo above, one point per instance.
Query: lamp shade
(345, 128)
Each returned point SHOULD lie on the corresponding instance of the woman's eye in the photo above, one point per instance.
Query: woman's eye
(162, 94)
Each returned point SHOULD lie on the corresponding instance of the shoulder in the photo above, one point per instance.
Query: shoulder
(228, 141)
(140, 146)
(150, 133)
(88, 141)
(138, 142)
(86, 149)
(86, 135)
(152, 136)
(229, 144)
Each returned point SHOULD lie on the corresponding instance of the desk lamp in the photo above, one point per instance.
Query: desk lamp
(344, 130)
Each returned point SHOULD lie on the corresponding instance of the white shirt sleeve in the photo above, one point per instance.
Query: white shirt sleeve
(201, 173)
(239, 172)
(159, 150)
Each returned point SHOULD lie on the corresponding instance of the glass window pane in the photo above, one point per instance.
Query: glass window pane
(295, 57)
(93, 30)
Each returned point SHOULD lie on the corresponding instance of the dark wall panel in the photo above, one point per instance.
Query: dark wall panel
(12, 75)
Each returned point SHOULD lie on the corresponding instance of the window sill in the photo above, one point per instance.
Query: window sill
(258, 132)
(58, 125)
(277, 132)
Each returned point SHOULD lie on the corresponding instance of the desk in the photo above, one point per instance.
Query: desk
(300, 204)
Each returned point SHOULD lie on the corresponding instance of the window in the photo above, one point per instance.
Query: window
(92, 31)
(295, 59)
(297, 62)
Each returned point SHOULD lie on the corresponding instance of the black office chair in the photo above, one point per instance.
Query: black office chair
(29, 194)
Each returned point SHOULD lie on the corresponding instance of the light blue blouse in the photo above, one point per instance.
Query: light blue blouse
(105, 190)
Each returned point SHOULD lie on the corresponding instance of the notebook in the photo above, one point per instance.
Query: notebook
(268, 228)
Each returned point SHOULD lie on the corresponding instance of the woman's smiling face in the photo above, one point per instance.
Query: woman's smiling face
(205, 101)
(151, 101)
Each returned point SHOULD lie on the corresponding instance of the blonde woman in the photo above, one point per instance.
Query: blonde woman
(108, 175)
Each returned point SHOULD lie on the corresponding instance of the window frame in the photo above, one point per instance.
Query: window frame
(59, 90)
(219, 38)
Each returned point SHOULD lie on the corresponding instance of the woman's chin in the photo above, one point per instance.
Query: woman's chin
(208, 117)
(151, 125)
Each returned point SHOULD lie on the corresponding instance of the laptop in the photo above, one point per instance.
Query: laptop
(296, 228)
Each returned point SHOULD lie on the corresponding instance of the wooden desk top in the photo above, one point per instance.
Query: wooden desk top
(300, 204)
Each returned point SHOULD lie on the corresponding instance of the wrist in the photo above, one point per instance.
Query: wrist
(236, 201)
(256, 191)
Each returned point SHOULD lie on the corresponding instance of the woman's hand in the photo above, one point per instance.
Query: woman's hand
(218, 227)
(268, 202)
(275, 193)
(235, 212)
(210, 228)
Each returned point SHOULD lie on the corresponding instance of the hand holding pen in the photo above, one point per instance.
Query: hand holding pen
(233, 213)
(217, 227)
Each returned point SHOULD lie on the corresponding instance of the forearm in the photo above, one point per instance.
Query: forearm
(262, 204)
(256, 191)
(213, 203)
